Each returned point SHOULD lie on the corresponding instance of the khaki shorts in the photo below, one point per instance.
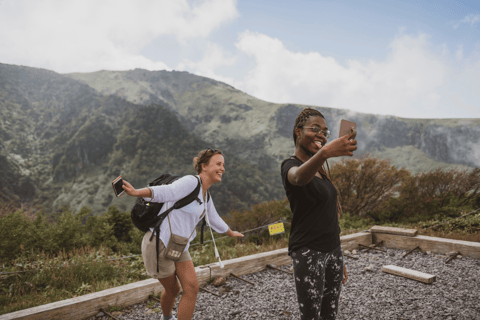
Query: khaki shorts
(165, 267)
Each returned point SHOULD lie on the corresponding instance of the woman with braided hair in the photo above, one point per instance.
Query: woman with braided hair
(314, 243)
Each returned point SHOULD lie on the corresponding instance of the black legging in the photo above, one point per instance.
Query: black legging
(318, 280)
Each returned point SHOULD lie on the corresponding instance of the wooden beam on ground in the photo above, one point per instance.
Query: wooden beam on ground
(90, 304)
(433, 244)
(409, 273)
(351, 241)
(393, 230)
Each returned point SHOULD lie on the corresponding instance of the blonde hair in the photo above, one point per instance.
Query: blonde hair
(204, 156)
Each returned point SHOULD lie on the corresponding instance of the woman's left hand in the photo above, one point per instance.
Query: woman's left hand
(235, 234)
(345, 274)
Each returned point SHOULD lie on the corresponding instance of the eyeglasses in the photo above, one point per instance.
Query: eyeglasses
(326, 133)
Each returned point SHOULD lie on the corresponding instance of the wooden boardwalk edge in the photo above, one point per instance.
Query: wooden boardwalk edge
(90, 304)
(425, 243)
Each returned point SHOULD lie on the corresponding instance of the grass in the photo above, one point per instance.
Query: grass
(45, 279)
(49, 278)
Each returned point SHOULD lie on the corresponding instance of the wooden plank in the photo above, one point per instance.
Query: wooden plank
(251, 264)
(432, 244)
(409, 273)
(351, 241)
(393, 230)
(88, 305)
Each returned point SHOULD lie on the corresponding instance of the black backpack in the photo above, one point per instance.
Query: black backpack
(145, 214)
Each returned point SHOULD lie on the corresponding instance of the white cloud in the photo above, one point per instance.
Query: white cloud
(471, 19)
(412, 81)
(90, 35)
(214, 57)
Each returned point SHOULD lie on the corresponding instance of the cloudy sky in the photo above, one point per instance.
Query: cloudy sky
(411, 58)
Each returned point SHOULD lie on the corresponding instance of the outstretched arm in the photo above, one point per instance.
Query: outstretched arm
(235, 234)
(140, 193)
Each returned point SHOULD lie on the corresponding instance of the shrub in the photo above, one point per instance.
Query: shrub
(365, 184)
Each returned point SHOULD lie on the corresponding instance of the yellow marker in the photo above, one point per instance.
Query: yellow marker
(276, 228)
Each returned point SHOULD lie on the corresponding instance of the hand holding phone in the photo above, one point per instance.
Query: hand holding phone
(347, 127)
(117, 186)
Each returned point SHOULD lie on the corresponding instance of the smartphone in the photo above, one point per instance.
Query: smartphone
(346, 127)
(117, 186)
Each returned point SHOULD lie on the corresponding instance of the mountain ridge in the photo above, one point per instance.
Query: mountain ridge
(64, 138)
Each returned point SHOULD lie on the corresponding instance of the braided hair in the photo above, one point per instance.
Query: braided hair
(301, 120)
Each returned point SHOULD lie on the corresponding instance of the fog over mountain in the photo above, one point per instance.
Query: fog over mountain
(65, 137)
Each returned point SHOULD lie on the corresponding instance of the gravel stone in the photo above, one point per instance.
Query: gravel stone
(367, 295)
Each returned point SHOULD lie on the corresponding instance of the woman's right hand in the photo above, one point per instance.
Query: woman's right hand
(343, 146)
(129, 189)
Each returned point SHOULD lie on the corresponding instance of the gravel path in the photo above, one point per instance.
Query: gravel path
(367, 295)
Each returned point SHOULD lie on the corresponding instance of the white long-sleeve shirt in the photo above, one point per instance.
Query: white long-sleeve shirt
(184, 220)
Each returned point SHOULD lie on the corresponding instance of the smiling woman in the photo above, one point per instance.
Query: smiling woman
(209, 165)
(314, 243)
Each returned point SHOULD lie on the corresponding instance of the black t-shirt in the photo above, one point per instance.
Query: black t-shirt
(314, 207)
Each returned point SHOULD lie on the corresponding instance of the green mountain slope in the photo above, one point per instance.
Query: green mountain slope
(261, 132)
(64, 138)
(62, 143)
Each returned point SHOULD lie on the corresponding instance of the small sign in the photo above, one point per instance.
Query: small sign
(276, 228)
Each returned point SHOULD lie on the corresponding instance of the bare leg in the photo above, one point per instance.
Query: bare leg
(188, 278)
(172, 288)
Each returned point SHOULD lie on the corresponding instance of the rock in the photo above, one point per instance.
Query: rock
(429, 252)
(286, 313)
(291, 269)
(117, 313)
(219, 281)
(354, 251)
(100, 314)
(149, 311)
(346, 252)
(369, 268)
(224, 289)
